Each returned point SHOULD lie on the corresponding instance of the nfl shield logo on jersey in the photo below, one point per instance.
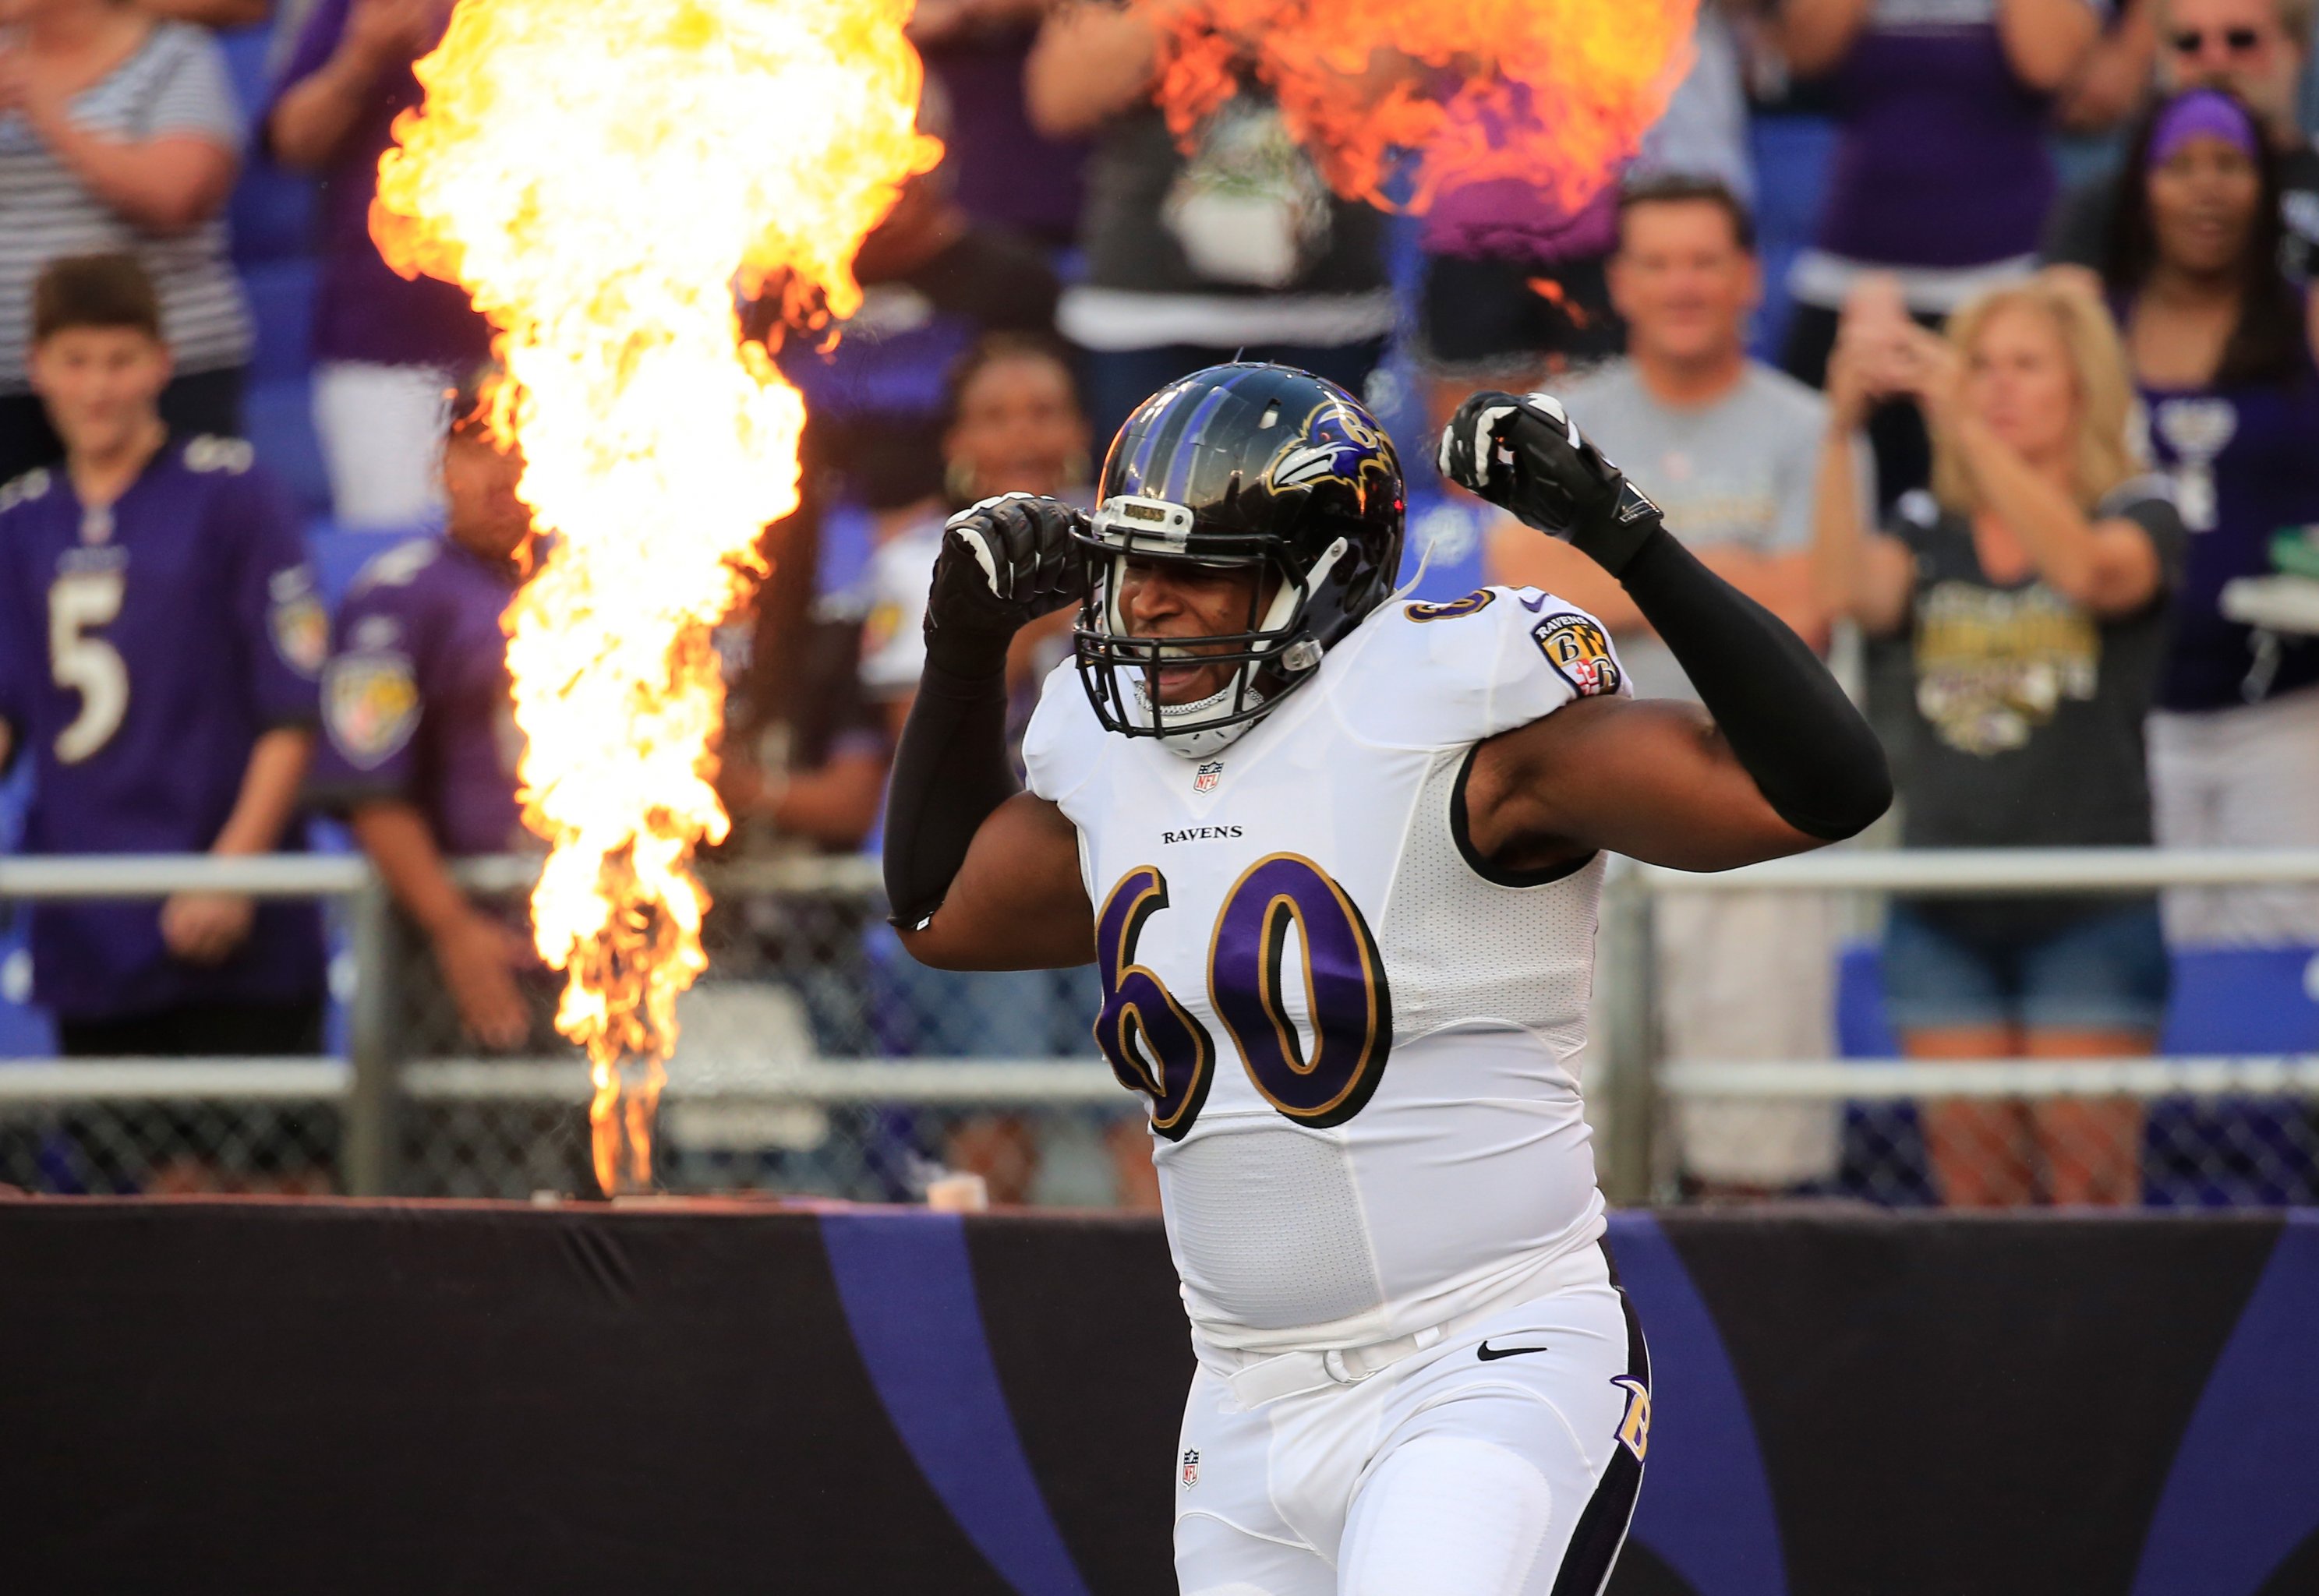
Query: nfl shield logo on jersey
(1191, 1468)
(1206, 777)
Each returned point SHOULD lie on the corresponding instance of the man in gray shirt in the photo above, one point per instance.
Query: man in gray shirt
(1730, 447)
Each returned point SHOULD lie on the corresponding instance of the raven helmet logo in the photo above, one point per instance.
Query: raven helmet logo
(1336, 445)
(1206, 777)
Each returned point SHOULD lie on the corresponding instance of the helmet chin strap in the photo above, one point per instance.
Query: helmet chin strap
(1198, 741)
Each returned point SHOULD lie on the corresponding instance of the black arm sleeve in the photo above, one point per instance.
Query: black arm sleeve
(950, 772)
(1811, 753)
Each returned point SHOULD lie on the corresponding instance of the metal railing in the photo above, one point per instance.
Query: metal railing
(1639, 1078)
(375, 1079)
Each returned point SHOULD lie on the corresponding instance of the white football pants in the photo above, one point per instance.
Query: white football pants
(1448, 1474)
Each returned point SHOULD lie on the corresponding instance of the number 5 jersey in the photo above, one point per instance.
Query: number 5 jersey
(1355, 1035)
(145, 646)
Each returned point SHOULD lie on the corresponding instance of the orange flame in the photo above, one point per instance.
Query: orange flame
(1556, 94)
(600, 178)
(1550, 291)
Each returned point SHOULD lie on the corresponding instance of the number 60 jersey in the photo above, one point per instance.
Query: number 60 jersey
(1355, 1035)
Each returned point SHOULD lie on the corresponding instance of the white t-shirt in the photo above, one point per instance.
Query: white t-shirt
(1738, 471)
(893, 632)
(1358, 1037)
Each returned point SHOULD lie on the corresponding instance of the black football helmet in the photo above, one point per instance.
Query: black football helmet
(1244, 464)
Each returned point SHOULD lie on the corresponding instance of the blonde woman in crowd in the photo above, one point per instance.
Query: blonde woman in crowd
(2032, 584)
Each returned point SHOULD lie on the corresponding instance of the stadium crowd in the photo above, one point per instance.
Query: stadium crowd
(2000, 442)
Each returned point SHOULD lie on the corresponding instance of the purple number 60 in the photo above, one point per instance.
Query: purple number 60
(1159, 1048)
(1350, 1008)
(1175, 1059)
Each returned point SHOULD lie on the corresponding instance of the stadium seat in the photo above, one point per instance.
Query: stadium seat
(339, 553)
(278, 415)
(1792, 157)
(271, 215)
(244, 50)
(2218, 1154)
(282, 303)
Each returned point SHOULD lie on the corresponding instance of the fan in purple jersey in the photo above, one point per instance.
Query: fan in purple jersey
(421, 745)
(160, 637)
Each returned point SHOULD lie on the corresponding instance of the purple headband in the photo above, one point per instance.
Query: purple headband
(2206, 113)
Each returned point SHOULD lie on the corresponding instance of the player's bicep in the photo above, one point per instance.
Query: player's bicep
(1652, 778)
(1018, 901)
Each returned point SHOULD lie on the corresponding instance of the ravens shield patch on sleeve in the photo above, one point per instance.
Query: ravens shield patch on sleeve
(1579, 650)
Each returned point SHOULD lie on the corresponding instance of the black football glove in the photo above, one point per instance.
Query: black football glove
(1004, 562)
(1524, 454)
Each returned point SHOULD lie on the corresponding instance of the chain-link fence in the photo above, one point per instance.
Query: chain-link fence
(817, 1060)
(2203, 1130)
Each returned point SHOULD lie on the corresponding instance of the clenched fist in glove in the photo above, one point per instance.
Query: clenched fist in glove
(1524, 454)
(1004, 562)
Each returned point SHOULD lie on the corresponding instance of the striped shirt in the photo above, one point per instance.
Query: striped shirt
(174, 84)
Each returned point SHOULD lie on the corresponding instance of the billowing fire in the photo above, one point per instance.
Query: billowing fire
(602, 178)
(1554, 93)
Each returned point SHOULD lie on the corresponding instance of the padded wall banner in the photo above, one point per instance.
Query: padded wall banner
(270, 1397)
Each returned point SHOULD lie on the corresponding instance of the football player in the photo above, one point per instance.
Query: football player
(160, 636)
(1336, 856)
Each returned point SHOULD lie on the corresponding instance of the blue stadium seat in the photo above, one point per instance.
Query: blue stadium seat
(341, 552)
(1792, 157)
(2237, 1000)
(278, 415)
(271, 216)
(281, 303)
(246, 49)
(24, 1031)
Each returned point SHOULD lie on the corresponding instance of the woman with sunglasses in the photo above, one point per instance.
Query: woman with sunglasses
(2223, 358)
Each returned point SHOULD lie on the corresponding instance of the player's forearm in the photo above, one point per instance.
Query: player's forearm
(1808, 751)
(1520, 557)
(401, 848)
(950, 772)
(269, 793)
(1783, 585)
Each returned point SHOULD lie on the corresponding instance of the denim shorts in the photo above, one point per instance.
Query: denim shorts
(2106, 971)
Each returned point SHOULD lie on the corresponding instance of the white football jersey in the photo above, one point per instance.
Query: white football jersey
(1357, 1036)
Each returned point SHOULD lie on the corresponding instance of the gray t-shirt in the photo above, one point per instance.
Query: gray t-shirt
(1736, 471)
(174, 84)
(2028, 712)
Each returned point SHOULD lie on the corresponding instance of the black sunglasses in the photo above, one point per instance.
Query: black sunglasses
(2189, 42)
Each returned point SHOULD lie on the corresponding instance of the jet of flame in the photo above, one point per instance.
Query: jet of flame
(1556, 94)
(602, 178)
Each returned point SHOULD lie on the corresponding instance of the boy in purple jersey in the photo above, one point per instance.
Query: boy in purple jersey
(421, 744)
(160, 637)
